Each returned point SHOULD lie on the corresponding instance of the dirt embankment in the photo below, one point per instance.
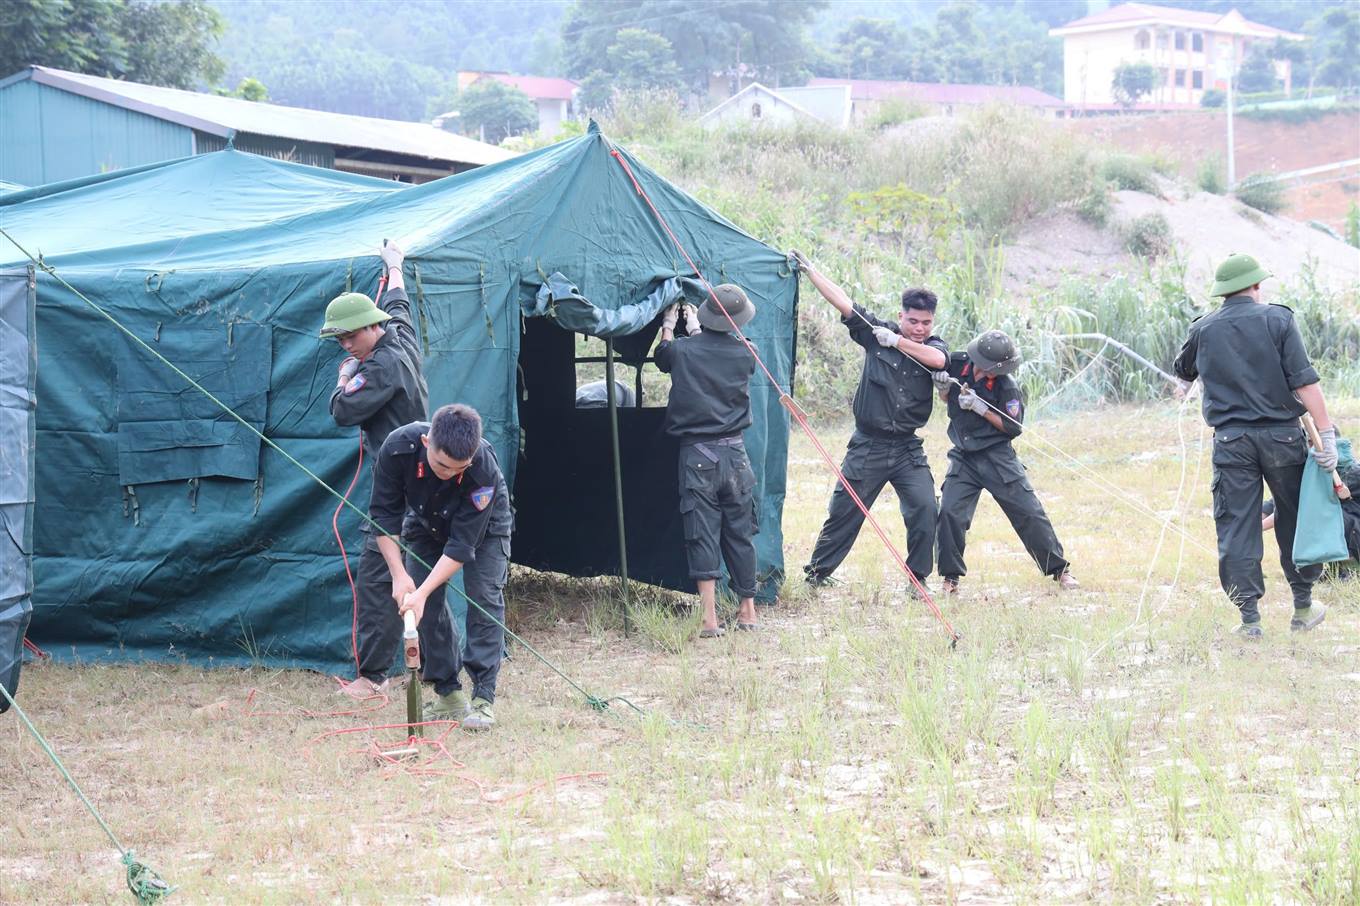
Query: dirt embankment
(1263, 146)
(1205, 229)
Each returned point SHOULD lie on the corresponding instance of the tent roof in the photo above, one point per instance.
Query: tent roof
(232, 210)
(224, 116)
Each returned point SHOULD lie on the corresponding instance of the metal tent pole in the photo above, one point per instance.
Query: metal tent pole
(612, 395)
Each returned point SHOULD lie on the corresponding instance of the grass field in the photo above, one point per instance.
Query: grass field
(1114, 744)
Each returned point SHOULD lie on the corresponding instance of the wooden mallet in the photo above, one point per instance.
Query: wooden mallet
(1339, 486)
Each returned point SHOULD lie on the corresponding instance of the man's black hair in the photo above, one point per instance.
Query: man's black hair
(456, 431)
(919, 299)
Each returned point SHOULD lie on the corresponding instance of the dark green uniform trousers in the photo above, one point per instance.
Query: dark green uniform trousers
(869, 464)
(718, 509)
(996, 470)
(1244, 458)
(379, 625)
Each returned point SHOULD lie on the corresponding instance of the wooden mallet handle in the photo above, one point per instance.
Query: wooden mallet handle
(1338, 485)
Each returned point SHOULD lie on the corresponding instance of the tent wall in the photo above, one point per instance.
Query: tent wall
(186, 549)
(18, 371)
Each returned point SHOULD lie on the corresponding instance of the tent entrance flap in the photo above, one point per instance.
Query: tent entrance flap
(18, 403)
(565, 501)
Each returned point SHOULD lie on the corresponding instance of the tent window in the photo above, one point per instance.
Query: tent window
(641, 386)
(167, 431)
(755, 111)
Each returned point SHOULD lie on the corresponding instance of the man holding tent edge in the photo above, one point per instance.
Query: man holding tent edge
(708, 409)
(379, 387)
(1257, 381)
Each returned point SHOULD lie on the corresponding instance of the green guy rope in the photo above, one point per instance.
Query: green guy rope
(144, 883)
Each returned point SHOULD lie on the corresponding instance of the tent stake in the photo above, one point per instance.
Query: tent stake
(612, 396)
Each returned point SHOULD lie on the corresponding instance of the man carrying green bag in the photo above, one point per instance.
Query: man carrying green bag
(1257, 381)
(1320, 537)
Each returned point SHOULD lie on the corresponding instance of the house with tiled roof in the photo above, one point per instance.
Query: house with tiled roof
(1193, 51)
(553, 97)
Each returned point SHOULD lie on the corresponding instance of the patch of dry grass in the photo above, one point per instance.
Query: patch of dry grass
(1115, 744)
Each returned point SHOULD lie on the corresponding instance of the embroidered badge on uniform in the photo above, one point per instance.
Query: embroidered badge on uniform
(1013, 408)
(481, 497)
(355, 384)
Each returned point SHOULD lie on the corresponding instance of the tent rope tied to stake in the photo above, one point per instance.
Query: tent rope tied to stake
(144, 883)
(592, 700)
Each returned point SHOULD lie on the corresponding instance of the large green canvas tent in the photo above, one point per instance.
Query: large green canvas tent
(164, 529)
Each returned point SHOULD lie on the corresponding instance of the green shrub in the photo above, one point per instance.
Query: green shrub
(1262, 192)
(1128, 172)
(1149, 236)
(1213, 97)
(1353, 225)
(1095, 205)
(1209, 175)
(895, 112)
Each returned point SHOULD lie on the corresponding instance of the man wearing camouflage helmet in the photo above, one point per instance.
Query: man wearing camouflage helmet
(986, 409)
(379, 388)
(1257, 381)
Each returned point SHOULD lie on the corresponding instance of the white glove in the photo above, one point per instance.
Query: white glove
(672, 314)
(1326, 457)
(691, 319)
(886, 337)
(392, 256)
(347, 369)
(972, 402)
(941, 379)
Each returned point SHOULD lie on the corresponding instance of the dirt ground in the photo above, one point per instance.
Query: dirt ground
(1262, 146)
(1205, 229)
(1114, 744)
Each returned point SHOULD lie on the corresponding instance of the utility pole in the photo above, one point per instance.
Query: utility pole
(1232, 76)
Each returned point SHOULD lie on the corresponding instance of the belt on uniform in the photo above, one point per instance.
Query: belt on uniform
(1263, 423)
(703, 445)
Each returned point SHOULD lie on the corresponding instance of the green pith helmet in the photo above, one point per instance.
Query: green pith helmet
(995, 352)
(348, 312)
(1239, 272)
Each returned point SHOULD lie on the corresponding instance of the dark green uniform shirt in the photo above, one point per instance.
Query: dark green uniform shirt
(710, 385)
(895, 393)
(1250, 358)
(461, 512)
(971, 432)
(388, 390)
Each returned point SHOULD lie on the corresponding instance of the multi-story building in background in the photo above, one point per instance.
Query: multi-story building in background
(1193, 51)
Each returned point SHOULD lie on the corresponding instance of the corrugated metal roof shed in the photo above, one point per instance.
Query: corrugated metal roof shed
(204, 122)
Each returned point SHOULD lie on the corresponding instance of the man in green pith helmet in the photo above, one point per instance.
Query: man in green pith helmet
(1257, 381)
(986, 409)
(379, 388)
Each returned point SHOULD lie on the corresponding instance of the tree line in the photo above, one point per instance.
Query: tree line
(399, 59)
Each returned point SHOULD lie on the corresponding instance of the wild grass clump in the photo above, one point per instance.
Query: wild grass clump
(1262, 192)
(1149, 236)
(1209, 175)
(1128, 172)
(1095, 206)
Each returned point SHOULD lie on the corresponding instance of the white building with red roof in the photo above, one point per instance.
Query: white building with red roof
(1192, 50)
(552, 96)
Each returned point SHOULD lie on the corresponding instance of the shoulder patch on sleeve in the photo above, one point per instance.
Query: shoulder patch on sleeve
(355, 384)
(481, 498)
(1013, 408)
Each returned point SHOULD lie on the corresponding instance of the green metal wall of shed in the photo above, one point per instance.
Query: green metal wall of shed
(267, 146)
(49, 135)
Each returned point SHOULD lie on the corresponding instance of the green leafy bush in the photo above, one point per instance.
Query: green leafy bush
(1209, 175)
(1095, 205)
(1213, 97)
(1149, 236)
(1128, 172)
(1262, 192)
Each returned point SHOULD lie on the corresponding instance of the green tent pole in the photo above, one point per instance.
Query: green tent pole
(612, 396)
